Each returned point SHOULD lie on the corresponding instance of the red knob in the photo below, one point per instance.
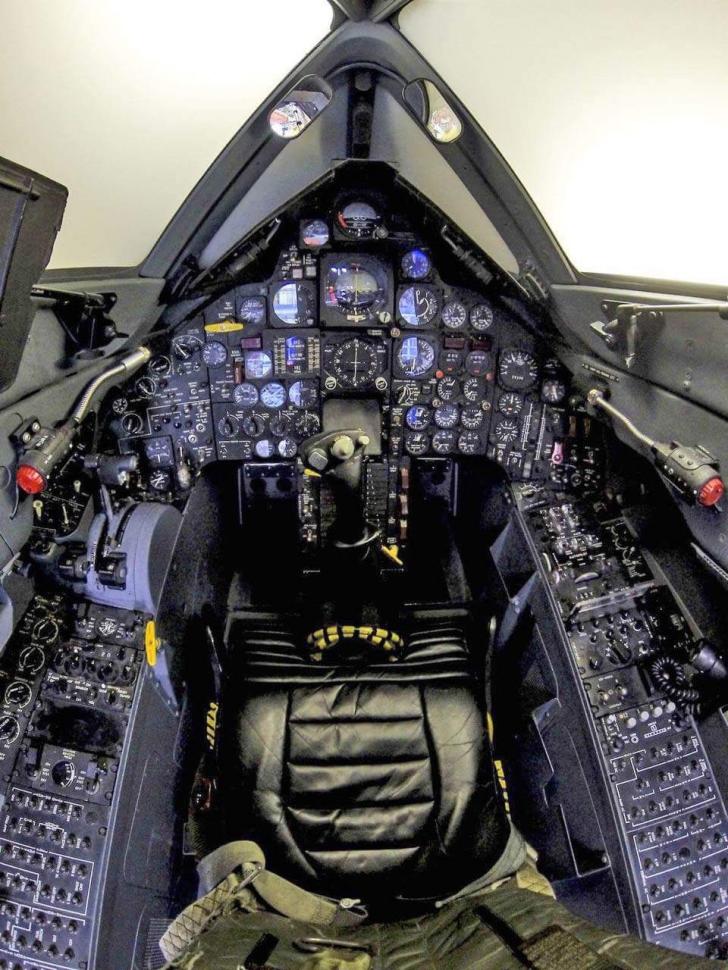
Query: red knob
(712, 492)
(30, 479)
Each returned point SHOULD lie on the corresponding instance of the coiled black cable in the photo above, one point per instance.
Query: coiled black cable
(671, 678)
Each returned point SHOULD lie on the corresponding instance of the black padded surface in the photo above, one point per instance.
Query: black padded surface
(371, 781)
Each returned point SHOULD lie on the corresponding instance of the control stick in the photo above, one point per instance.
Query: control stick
(338, 455)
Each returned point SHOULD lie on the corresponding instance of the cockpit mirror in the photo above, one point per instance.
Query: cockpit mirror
(300, 106)
(436, 115)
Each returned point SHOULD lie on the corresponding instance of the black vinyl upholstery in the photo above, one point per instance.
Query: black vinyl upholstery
(372, 781)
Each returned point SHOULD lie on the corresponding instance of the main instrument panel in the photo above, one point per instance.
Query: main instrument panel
(349, 313)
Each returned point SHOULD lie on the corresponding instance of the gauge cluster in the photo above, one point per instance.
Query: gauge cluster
(352, 309)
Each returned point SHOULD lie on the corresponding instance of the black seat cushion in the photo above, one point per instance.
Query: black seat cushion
(371, 782)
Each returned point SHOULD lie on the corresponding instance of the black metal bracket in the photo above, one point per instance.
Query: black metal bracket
(83, 316)
(629, 323)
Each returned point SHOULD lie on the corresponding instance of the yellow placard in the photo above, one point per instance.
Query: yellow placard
(151, 643)
(224, 326)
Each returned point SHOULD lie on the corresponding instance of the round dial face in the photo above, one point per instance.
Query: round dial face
(160, 365)
(287, 448)
(447, 415)
(447, 388)
(359, 220)
(416, 356)
(146, 387)
(253, 426)
(416, 264)
(245, 395)
(160, 480)
(228, 426)
(510, 404)
(31, 660)
(18, 693)
(314, 233)
(252, 310)
(355, 363)
(186, 346)
(443, 442)
(517, 369)
(357, 288)
(273, 395)
(214, 353)
(506, 431)
(258, 364)
(473, 389)
(132, 423)
(469, 442)
(471, 416)
(553, 390)
(481, 317)
(63, 773)
(265, 448)
(450, 361)
(303, 394)
(294, 305)
(478, 362)
(307, 424)
(416, 442)
(454, 315)
(9, 728)
(417, 417)
(418, 305)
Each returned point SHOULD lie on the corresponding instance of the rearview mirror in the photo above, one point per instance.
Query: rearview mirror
(300, 106)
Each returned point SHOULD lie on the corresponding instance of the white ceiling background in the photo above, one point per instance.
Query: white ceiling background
(127, 102)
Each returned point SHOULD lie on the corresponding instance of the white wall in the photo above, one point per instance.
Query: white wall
(613, 113)
(127, 102)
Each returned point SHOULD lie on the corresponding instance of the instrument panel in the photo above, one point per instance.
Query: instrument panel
(348, 313)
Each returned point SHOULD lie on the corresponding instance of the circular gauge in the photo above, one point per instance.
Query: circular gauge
(471, 416)
(473, 389)
(46, 630)
(146, 387)
(478, 362)
(355, 363)
(265, 448)
(469, 442)
(417, 417)
(228, 426)
(160, 365)
(294, 305)
(314, 233)
(416, 264)
(120, 405)
(357, 288)
(252, 310)
(359, 220)
(280, 425)
(517, 369)
(9, 728)
(160, 480)
(418, 305)
(273, 395)
(416, 442)
(258, 364)
(303, 394)
(481, 317)
(416, 356)
(553, 390)
(506, 431)
(447, 388)
(287, 448)
(186, 346)
(443, 442)
(454, 315)
(18, 693)
(31, 660)
(446, 416)
(307, 424)
(132, 423)
(253, 426)
(214, 353)
(450, 361)
(245, 395)
(63, 773)
(510, 404)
